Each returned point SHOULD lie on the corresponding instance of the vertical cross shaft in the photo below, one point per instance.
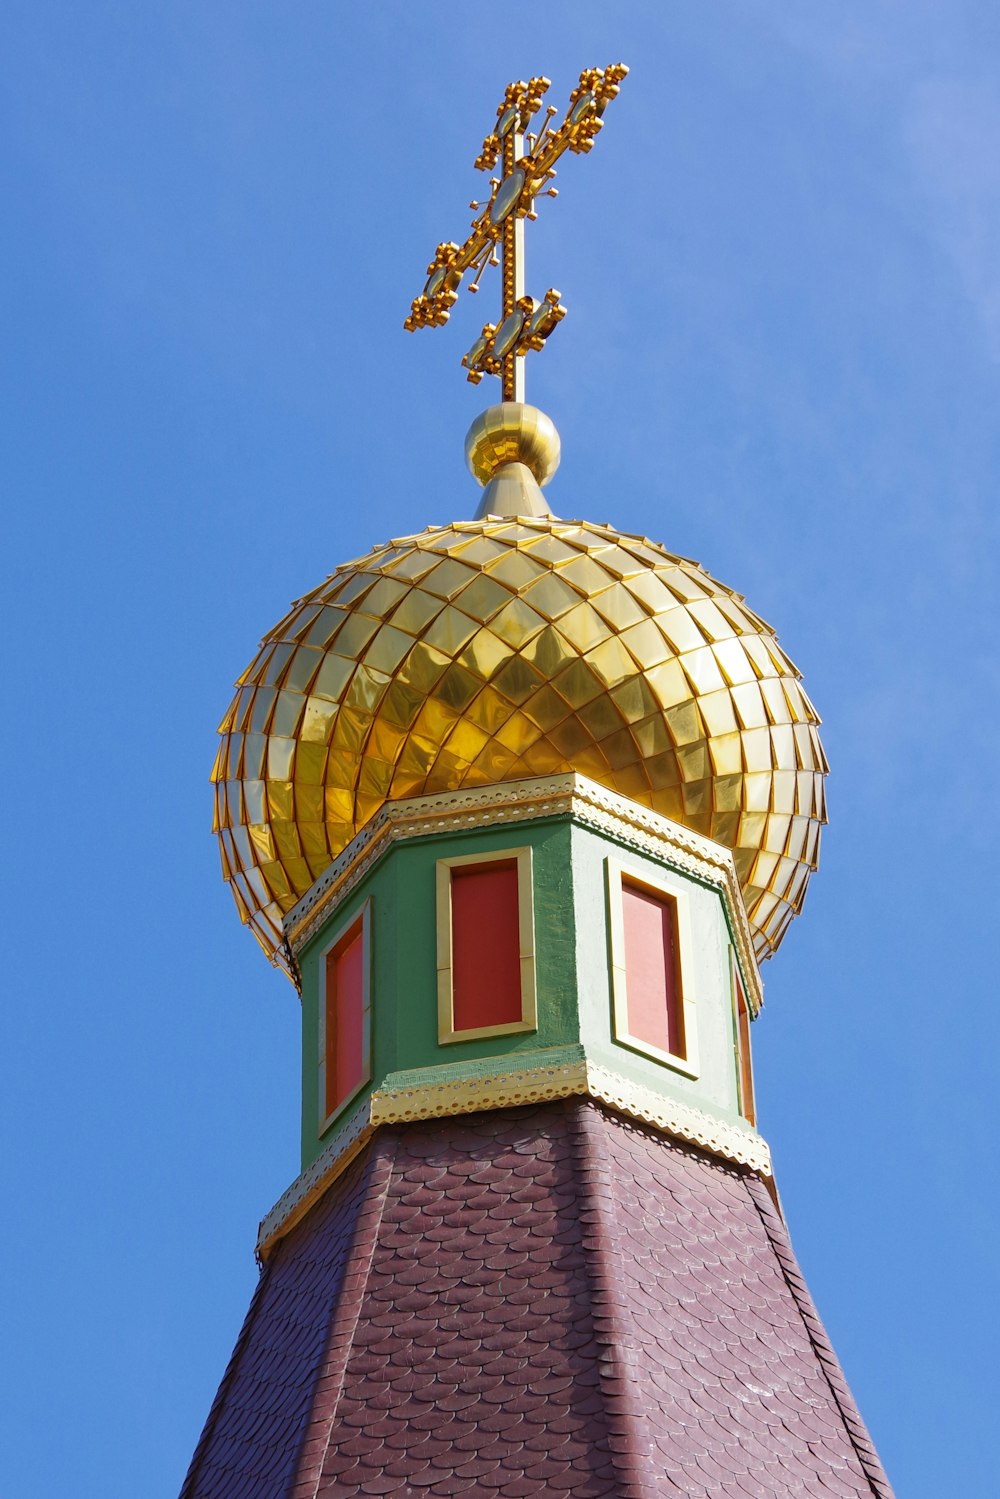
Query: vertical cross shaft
(512, 270)
(527, 164)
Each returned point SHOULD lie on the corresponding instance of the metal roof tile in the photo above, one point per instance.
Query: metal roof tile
(541, 1300)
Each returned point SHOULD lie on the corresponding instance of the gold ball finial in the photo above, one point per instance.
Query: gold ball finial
(512, 433)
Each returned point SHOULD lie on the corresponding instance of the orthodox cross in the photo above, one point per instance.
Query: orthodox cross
(527, 167)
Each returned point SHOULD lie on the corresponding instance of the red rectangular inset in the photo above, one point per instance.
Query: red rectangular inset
(345, 1017)
(485, 945)
(652, 977)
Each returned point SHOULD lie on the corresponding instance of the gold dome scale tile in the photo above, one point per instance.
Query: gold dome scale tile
(501, 649)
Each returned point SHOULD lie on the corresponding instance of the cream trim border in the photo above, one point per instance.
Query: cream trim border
(467, 1095)
(526, 946)
(674, 890)
(743, 1055)
(523, 801)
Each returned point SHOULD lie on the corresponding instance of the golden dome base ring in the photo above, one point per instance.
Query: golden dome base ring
(512, 433)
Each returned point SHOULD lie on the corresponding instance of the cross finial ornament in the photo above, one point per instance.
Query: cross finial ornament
(527, 167)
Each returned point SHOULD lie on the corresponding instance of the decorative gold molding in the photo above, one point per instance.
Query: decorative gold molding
(521, 801)
(470, 1095)
(682, 1120)
(438, 1098)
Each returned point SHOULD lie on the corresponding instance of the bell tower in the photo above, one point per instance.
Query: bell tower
(520, 805)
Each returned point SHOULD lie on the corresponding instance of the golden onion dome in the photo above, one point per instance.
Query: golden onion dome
(509, 647)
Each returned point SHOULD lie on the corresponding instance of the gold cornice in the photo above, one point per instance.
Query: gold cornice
(439, 1097)
(520, 801)
(733, 1142)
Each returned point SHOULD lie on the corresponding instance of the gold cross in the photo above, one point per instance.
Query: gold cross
(499, 226)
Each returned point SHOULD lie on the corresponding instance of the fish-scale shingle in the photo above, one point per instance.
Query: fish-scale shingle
(544, 1300)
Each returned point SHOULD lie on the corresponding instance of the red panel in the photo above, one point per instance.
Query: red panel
(485, 945)
(651, 969)
(345, 1020)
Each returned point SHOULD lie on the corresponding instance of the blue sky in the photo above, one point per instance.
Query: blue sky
(782, 357)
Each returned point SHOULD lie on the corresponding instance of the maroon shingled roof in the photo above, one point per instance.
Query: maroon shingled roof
(539, 1300)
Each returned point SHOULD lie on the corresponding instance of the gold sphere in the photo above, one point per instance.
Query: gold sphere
(512, 433)
(497, 650)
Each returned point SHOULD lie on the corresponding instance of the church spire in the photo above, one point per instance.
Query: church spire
(520, 804)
